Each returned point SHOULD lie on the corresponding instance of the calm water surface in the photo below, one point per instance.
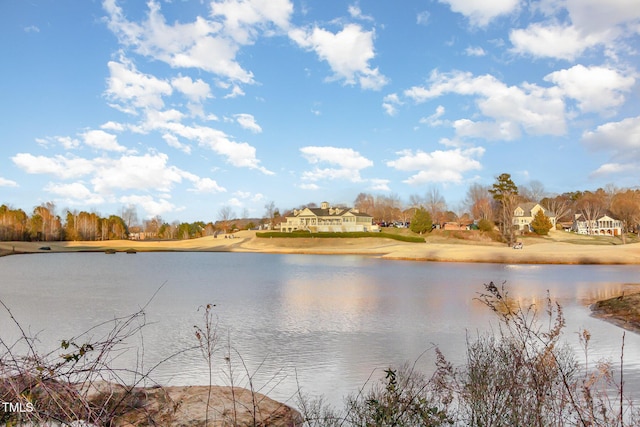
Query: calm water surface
(323, 322)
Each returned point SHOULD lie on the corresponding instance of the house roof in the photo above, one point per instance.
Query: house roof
(528, 206)
(330, 212)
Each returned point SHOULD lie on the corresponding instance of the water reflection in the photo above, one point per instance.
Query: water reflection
(329, 320)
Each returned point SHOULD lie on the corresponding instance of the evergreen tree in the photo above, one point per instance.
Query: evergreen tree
(541, 223)
(421, 221)
(505, 192)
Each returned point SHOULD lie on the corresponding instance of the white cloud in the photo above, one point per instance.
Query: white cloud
(209, 45)
(574, 26)
(344, 157)
(130, 90)
(434, 119)
(438, 166)
(597, 15)
(173, 141)
(309, 186)
(553, 41)
(31, 29)
(206, 185)
(4, 182)
(597, 89)
(151, 206)
(74, 193)
(247, 121)
(347, 52)
(528, 107)
(61, 166)
(390, 104)
(236, 91)
(475, 51)
(113, 126)
(146, 172)
(349, 163)
(239, 154)
(67, 142)
(623, 138)
(196, 91)
(235, 202)
(378, 184)
(102, 140)
(481, 12)
(243, 18)
(615, 168)
(423, 18)
(500, 131)
(356, 13)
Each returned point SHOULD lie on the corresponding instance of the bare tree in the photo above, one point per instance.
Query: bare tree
(479, 201)
(152, 226)
(225, 215)
(461, 213)
(559, 205)
(415, 201)
(591, 206)
(533, 192)
(270, 210)
(626, 206)
(435, 203)
(364, 203)
(130, 216)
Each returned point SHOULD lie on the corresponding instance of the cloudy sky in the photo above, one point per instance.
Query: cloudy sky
(184, 107)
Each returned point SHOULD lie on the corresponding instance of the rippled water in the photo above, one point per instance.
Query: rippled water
(325, 323)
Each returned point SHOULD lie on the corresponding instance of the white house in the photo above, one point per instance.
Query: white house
(524, 213)
(326, 218)
(603, 226)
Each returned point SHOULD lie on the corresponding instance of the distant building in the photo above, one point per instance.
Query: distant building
(327, 218)
(524, 213)
(605, 225)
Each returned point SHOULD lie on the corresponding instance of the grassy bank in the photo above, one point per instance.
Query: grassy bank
(623, 310)
(345, 235)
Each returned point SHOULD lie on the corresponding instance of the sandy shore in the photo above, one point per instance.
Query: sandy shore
(540, 251)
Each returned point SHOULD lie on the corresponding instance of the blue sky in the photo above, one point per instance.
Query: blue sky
(184, 107)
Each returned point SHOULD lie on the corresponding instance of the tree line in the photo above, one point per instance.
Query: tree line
(488, 205)
(44, 224)
(495, 204)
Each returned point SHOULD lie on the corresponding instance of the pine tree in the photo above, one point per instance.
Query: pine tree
(505, 192)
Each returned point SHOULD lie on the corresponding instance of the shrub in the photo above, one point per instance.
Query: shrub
(421, 222)
(486, 225)
(541, 223)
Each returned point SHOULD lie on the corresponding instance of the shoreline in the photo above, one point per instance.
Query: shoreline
(535, 251)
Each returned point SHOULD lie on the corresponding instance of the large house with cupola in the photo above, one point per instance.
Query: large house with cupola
(524, 213)
(328, 219)
(605, 225)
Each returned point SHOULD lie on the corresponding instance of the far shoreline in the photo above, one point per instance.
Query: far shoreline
(535, 251)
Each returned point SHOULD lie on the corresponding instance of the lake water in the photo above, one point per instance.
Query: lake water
(325, 323)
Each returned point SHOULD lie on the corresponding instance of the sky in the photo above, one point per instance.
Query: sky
(183, 108)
